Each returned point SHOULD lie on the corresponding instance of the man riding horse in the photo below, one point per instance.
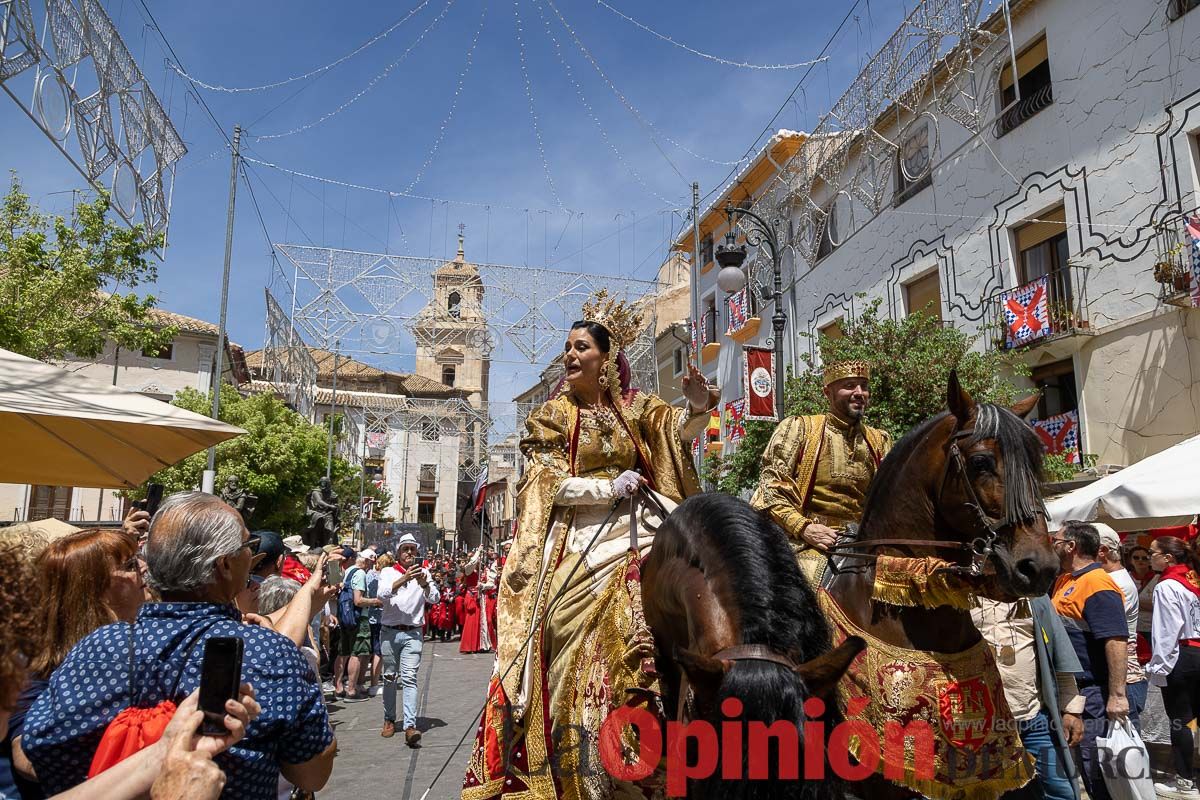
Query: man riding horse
(816, 469)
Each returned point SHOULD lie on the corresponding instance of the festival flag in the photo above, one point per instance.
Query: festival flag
(739, 311)
(735, 424)
(377, 440)
(759, 369)
(1026, 313)
(1193, 229)
(695, 354)
(696, 448)
(1060, 434)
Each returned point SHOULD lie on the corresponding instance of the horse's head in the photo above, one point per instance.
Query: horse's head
(989, 492)
(712, 676)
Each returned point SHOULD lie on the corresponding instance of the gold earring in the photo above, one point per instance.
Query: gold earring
(603, 381)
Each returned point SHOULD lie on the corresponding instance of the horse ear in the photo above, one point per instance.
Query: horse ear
(823, 672)
(959, 399)
(703, 671)
(1023, 407)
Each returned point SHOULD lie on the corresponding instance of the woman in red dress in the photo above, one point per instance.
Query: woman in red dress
(475, 637)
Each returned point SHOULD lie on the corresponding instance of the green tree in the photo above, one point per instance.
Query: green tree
(280, 458)
(910, 359)
(61, 281)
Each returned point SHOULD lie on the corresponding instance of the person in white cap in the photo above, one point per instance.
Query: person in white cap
(1136, 684)
(404, 589)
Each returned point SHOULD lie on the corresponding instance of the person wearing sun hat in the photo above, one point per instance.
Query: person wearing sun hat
(816, 469)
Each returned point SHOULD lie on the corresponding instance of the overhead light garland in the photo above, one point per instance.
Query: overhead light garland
(370, 85)
(462, 76)
(537, 129)
(592, 113)
(311, 74)
(709, 56)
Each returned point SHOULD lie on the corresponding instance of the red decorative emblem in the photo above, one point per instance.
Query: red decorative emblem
(968, 713)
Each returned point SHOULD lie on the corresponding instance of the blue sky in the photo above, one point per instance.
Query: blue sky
(489, 154)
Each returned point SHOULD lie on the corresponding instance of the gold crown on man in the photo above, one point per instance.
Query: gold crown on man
(621, 319)
(853, 368)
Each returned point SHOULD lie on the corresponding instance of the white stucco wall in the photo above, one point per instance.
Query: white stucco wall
(1117, 149)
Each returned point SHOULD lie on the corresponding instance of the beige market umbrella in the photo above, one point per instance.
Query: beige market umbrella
(63, 429)
(1156, 492)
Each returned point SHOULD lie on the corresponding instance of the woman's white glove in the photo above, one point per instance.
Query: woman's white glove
(626, 484)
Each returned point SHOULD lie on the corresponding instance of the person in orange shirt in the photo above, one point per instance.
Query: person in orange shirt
(1093, 612)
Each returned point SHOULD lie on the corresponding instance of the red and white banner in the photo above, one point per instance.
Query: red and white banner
(760, 383)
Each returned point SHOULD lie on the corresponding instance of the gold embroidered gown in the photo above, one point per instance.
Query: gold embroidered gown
(559, 674)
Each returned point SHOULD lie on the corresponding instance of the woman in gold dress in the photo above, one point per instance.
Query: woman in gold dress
(573, 645)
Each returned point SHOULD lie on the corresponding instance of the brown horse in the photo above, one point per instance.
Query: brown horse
(963, 486)
(733, 618)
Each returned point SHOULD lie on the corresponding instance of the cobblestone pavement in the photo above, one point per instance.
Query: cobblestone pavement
(369, 767)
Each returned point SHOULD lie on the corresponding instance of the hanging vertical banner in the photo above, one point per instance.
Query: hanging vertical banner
(695, 350)
(739, 311)
(735, 414)
(760, 383)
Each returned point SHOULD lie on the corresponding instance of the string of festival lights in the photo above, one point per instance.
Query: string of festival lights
(620, 96)
(537, 129)
(742, 64)
(449, 119)
(592, 113)
(370, 85)
(633, 110)
(310, 74)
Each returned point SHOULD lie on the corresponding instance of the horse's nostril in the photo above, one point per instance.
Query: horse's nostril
(1028, 570)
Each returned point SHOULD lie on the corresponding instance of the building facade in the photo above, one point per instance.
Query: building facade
(1056, 230)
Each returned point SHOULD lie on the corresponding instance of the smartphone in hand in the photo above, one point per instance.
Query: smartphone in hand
(220, 677)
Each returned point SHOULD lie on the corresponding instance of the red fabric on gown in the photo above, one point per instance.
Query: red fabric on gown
(470, 642)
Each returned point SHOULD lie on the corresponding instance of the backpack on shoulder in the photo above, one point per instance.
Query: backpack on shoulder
(347, 613)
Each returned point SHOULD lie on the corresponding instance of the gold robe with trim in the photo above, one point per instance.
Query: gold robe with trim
(558, 675)
(818, 468)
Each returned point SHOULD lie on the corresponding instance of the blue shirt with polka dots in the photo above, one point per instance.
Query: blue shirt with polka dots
(93, 685)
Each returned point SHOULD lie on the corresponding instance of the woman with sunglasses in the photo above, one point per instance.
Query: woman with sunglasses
(1137, 562)
(89, 579)
(1175, 664)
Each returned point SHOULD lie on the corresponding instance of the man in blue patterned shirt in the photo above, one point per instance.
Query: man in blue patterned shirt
(198, 557)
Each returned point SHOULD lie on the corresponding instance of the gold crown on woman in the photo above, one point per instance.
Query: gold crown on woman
(854, 368)
(622, 320)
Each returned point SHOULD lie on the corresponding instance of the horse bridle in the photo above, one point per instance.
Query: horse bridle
(738, 652)
(980, 548)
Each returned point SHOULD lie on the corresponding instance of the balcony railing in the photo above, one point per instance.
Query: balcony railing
(1177, 251)
(1029, 106)
(1049, 307)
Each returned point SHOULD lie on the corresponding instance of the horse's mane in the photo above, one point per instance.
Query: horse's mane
(775, 606)
(1019, 446)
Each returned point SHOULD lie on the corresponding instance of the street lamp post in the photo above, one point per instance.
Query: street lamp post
(731, 255)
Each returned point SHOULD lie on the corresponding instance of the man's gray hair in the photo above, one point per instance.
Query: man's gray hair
(190, 531)
(275, 593)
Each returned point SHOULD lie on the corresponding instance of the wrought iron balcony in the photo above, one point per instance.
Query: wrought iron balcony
(1029, 106)
(1178, 254)
(1050, 307)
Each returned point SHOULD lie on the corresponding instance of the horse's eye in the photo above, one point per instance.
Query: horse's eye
(982, 462)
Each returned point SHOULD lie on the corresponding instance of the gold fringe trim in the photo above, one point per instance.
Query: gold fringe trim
(919, 583)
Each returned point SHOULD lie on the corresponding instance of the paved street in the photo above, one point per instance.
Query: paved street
(370, 767)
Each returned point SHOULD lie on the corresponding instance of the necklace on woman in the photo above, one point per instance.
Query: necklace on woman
(601, 412)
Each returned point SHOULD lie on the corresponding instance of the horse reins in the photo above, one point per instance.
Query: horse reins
(979, 548)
